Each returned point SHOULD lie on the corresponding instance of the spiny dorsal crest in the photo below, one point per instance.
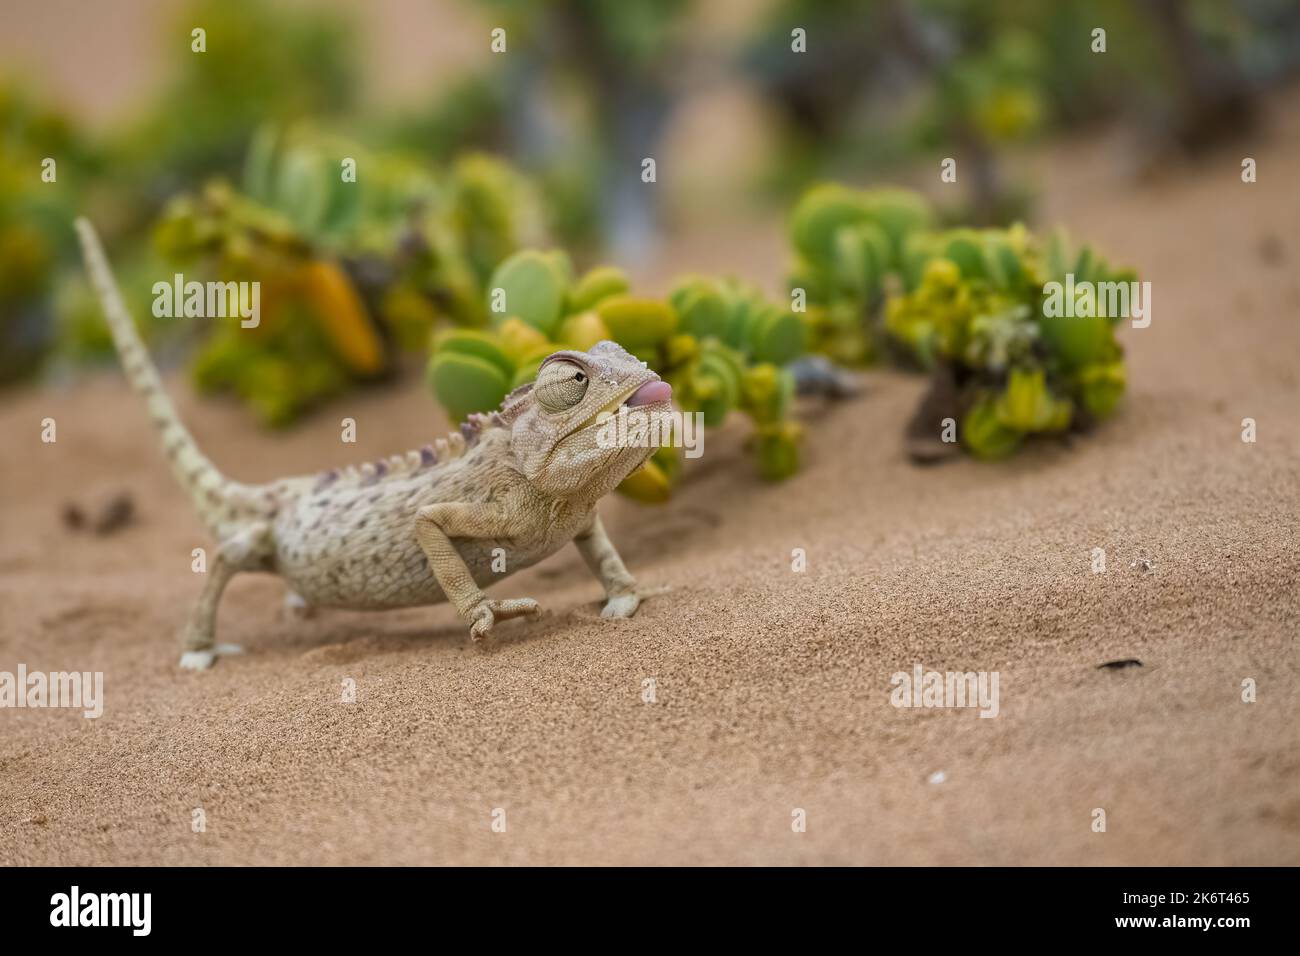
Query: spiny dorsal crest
(442, 450)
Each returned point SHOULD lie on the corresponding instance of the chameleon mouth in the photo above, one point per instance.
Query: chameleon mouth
(650, 393)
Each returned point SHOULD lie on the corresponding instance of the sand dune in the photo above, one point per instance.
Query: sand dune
(772, 687)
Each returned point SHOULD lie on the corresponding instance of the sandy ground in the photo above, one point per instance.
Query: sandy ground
(772, 686)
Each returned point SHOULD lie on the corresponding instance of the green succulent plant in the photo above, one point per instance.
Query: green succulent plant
(44, 165)
(851, 247)
(975, 314)
(967, 305)
(371, 261)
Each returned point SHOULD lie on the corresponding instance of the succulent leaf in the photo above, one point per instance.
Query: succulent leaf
(518, 339)
(528, 366)
(600, 283)
(702, 310)
(343, 316)
(649, 484)
(984, 435)
(821, 212)
(636, 322)
(534, 286)
(1101, 387)
(583, 330)
(1026, 405)
(480, 344)
(778, 451)
(465, 383)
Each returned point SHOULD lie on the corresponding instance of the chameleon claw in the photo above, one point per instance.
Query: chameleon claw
(488, 611)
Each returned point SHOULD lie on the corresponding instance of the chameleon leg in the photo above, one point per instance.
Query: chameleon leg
(199, 649)
(598, 551)
(435, 526)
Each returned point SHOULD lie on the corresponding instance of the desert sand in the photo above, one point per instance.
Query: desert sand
(772, 686)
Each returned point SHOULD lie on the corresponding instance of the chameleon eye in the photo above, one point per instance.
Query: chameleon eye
(560, 386)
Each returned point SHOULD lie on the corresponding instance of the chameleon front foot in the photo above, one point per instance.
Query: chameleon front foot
(488, 611)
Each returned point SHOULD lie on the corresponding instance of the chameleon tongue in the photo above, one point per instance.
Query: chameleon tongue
(649, 393)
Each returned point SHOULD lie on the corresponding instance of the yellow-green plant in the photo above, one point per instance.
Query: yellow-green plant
(44, 163)
(978, 315)
(849, 252)
(967, 305)
(357, 254)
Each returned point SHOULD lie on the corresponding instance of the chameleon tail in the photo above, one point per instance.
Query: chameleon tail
(214, 496)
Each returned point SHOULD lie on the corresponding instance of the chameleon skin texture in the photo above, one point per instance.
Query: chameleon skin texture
(431, 525)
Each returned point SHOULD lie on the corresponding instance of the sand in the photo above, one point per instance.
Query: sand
(772, 687)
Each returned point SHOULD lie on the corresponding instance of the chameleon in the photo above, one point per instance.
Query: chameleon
(423, 527)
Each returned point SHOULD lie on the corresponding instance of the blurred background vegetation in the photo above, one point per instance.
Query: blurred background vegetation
(476, 168)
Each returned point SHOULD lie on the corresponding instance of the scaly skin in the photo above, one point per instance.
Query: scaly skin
(423, 527)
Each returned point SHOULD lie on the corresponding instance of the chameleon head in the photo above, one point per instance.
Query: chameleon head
(561, 432)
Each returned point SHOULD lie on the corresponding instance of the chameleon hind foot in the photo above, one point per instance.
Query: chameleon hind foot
(296, 607)
(626, 604)
(201, 660)
(488, 611)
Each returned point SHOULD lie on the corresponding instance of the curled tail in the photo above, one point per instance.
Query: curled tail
(216, 498)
